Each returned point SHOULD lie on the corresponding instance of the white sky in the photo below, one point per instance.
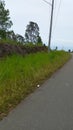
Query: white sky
(23, 11)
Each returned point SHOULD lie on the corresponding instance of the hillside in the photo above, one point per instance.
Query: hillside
(20, 75)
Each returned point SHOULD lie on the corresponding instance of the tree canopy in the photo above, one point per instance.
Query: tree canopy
(20, 38)
(5, 22)
(32, 33)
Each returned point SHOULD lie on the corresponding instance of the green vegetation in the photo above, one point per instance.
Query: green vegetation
(32, 33)
(5, 22)
(13, 42)
(9, 41)
(19, 75)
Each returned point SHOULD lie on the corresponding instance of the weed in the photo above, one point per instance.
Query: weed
(20, 75)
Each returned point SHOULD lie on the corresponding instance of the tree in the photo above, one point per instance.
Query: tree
(20, 38)
(39, 41)
(14, 37)
(5, 22)
(32, 32)
(11, 35)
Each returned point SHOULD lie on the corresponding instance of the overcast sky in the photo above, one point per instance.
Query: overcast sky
(23, 11)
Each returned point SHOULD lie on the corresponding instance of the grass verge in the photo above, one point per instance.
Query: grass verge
(19, 75)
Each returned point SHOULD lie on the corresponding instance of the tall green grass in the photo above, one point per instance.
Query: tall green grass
(20, 75)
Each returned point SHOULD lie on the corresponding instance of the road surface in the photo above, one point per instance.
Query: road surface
(50, 107)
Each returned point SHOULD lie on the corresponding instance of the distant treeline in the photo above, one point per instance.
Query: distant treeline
(31, 35)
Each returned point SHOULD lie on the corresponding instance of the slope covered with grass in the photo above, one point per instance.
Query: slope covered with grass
(20, 75)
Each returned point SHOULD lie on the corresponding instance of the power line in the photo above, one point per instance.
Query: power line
(51, 22)
(57, 15)
(47, 2)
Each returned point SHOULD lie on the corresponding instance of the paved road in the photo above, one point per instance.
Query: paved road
(50, 107)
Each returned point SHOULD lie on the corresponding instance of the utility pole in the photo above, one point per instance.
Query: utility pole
(51, 22)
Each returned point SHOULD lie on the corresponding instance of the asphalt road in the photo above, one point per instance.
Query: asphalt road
(50, 107)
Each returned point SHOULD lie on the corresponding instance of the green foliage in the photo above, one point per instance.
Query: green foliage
(20, 38)
(2, 34)
(9, 41)
(32, 33)
(11, 35)
(5, 22)
(20, 75)
(39, 40)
